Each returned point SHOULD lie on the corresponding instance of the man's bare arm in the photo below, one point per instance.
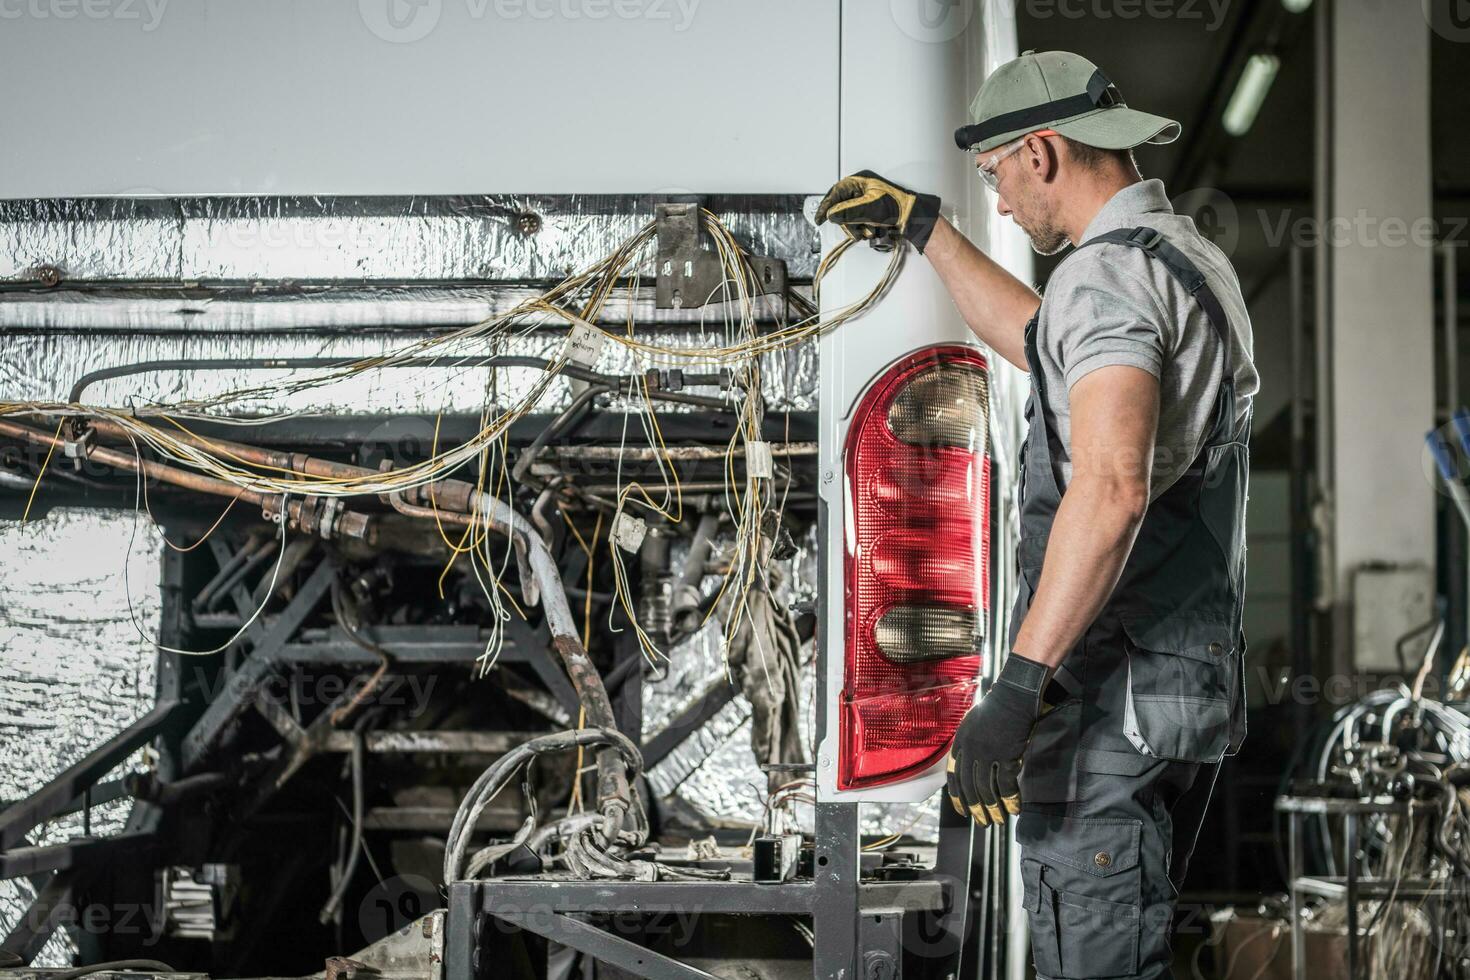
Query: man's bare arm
(993, 302)
(1115, 416)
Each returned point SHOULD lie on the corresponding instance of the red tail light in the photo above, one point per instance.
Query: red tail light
(917, 539)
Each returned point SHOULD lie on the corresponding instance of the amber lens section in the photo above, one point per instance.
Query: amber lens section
(948, 405)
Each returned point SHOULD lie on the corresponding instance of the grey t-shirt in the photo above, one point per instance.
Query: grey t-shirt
(1114, 304)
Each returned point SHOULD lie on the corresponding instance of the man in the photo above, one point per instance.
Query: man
(1123, 687)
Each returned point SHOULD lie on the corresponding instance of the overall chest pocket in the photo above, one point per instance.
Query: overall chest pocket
(1184, 690)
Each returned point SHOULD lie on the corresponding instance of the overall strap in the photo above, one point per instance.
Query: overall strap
(1152, 242)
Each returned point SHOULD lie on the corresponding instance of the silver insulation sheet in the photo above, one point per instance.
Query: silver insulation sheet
(714, 769)
(45, 365)
(493, 237)
(216, 278)
(78, 591)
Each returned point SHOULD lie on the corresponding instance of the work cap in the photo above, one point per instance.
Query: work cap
(1061, 91)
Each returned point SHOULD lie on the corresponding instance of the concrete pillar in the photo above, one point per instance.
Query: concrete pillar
(1382, 358)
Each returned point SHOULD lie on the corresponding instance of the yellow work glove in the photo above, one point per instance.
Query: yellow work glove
(871, 208)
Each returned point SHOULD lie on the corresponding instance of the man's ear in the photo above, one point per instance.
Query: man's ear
(1042, 157)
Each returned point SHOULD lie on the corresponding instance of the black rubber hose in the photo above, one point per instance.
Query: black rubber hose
(334, 904)
(310, 363)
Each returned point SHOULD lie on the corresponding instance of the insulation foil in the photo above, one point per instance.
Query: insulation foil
(214, 278)
(498, 237)
(714, 769)
(76, 588)
(46, 366)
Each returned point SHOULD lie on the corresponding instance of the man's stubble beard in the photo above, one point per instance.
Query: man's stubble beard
(1046, 238)
(1048, 241)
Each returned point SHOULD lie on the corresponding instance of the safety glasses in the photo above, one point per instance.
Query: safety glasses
(987, 167)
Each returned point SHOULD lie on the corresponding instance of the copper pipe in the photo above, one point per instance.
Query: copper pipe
(452, 495)
(158, 471)
(428, 513)
(350, 523)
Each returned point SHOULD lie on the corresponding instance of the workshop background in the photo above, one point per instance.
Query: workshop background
(1327, 155)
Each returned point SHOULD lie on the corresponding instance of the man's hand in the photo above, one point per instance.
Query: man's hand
(868, 207)
(991, 743)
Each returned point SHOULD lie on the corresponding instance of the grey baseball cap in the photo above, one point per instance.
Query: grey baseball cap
(1061, 91)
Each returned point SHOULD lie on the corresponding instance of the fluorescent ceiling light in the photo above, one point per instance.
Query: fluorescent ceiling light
(1296, 6)
(1250, 92)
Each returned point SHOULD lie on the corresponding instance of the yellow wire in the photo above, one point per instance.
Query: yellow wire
(44, 463)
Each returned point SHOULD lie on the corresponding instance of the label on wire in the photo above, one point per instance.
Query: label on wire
(758, 461)
(584, 344)
(628, 532)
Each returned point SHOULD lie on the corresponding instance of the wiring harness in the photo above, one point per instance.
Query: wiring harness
(313, 495)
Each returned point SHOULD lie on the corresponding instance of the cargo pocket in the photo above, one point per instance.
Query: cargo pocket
(1080, 880)
(1183, 679)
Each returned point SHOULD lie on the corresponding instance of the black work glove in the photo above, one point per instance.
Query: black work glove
(991, 742)
(869, 207)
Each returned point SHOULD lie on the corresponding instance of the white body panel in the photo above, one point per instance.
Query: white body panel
(898, 119)
(360, 97)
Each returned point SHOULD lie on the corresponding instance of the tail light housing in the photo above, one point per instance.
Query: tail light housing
(917, 560)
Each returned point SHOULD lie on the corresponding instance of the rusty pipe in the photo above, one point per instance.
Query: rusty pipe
(451, 495)
(613, 795)
(159, 471)
(298, 513)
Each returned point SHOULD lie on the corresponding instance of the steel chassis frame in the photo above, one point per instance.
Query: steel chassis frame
(857, 926)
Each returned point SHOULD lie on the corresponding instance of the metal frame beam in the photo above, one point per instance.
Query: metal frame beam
(32, 929)
(57, 796)
(606, 947)
(27, 861)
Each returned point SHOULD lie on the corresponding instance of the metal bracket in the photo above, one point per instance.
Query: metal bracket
(690, 273)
